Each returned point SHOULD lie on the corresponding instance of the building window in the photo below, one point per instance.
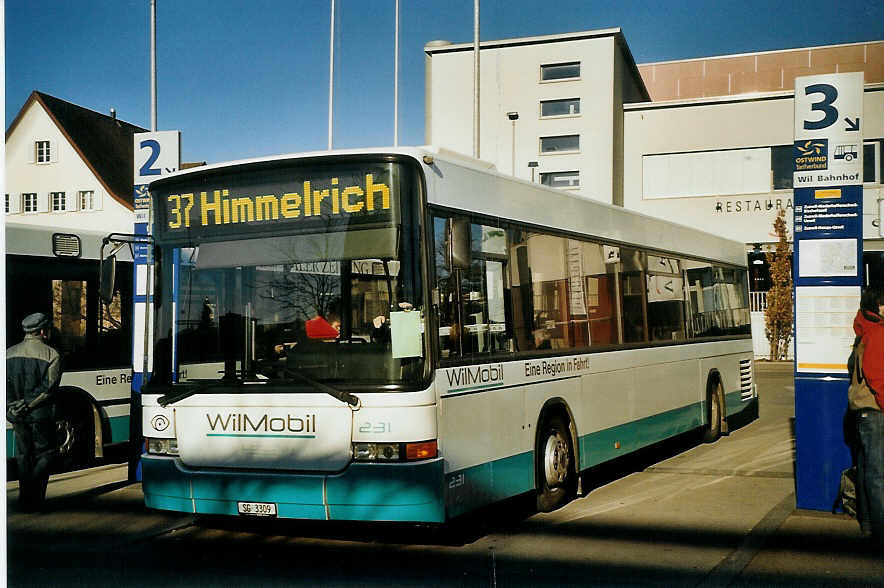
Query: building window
(87, 200)
(29, 202)
(59, 203)
(560, 71)
(563, 179)
(565, 107)
(782, 164)
(560, 143)
(43, 152)
(872, 162)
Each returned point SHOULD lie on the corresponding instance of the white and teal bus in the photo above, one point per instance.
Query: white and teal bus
(407, 335)
(55, 270)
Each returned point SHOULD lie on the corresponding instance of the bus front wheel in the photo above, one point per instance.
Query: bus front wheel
(555, 465)
(76, 437)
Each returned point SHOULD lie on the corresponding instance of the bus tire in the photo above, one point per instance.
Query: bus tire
(714, 411)
(555, 467)
(76, 436)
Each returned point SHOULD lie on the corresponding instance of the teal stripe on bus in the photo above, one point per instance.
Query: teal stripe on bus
(602, 446)
(499, 479)
(370, 492)
(10, 443)
(734, 402)
(483, 484)
(489, 482)
(119, 428)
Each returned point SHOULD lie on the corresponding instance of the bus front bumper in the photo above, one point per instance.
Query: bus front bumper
(363, 492)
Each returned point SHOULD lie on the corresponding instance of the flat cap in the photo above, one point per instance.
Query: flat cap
(34, 322)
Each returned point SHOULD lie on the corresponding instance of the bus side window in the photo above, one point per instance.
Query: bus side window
(633, 295)
(474, 303)
(483, 294)
(666, 299)
(449, 328)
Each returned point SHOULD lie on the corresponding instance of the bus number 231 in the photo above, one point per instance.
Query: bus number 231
(376, 428)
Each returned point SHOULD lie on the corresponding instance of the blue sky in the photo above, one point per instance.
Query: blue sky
(250, 78)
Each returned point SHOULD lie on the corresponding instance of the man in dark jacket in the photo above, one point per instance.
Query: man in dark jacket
(33, 370)
(869, 325)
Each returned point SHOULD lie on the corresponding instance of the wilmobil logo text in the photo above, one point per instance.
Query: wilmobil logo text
(239, 424)
(478, 376)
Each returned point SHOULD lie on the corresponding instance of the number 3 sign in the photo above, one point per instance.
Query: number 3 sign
(828, 130)
(828, 105)
(156, 154)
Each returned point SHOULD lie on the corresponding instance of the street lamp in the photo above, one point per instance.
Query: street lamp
(513, 116)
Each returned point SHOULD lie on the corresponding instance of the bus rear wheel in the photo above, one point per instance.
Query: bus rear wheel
(714, 409)
(555, 465)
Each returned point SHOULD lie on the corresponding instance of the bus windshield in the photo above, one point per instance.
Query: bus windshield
(332, 296)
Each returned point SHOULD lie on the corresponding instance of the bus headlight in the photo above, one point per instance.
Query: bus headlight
(161, 446)
(376, 451)
(395, 451)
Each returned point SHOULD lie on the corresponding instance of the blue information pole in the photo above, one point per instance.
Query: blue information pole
(827, 266)
(155, 155)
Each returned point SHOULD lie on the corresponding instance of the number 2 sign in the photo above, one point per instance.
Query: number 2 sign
(156, 154)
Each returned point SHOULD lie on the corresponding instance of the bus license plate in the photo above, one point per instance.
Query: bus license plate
(257, 509)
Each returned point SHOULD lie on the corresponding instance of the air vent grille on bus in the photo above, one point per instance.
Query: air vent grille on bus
(65, 245)
(745, 379)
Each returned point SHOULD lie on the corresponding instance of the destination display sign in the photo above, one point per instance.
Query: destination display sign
(828, 223)
(828, 212)
(256, 201)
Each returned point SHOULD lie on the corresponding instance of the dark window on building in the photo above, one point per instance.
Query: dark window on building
(872, 162)
(43, 153)
(565, 179)
(782, 164)
(565, 107)
(559, 143)
(560, 71)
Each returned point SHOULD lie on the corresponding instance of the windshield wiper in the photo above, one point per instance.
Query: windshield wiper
(179, 395)
(341, 395)
(192, 390)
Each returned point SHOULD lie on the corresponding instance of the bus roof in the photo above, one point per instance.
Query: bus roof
(519, 200)
(37, 240)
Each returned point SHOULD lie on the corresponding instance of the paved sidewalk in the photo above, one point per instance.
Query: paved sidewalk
(794, 547)
(812, 548)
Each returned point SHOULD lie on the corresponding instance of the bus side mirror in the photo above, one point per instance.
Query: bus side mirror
(459, 251)
(106, 279)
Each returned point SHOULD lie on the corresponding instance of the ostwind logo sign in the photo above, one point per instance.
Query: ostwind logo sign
(811, 154)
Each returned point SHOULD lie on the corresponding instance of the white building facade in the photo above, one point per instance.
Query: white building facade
(551, 108)
(64, 168)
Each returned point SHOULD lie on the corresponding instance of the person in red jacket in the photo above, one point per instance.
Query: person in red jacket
(869, 324)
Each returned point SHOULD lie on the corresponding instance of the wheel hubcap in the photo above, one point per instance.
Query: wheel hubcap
(556, 459)
(67, 432)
